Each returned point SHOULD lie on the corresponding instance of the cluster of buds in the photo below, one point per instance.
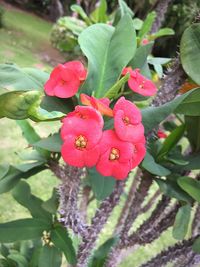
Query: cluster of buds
(114, 152)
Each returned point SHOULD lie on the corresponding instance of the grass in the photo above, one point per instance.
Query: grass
(23, 40)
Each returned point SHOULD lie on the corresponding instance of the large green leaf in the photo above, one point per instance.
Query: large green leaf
(23, 229)
(181, 223)
(171, 188)
(108, 51)
(102, 186)
(13, 77)
(193, 131)
(4, 168)
(52, 143)
(190, 106)
(171, 141)
(191, 186)
(151, 166)
(13, 176)
(190, 51)
(52, 103)
(22, 194)
(152, 116)
(61, 239)
(193, 162)
(50, 257)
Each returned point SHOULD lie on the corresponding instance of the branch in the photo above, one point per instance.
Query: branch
(98, 222)
(151, 201)
(171, 254)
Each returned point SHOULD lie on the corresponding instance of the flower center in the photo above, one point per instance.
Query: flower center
(142, 85)
(80, 142)
(114, 154)
(126, 120)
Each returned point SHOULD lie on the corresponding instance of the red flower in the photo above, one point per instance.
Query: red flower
(138, 83)
(139, 152)
(102, 104)
(65, 79)
(144, 41)
(86, 117)
(127, 121)
(81, 132)
(161, 134)
(115, 156)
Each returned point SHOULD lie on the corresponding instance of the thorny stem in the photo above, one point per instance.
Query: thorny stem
(171, 254)
(98, 222)
(128, 203)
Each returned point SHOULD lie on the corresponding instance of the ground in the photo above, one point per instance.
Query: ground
(24, 40)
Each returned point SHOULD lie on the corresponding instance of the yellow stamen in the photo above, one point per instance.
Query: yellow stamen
(80, 142)
(114, 154)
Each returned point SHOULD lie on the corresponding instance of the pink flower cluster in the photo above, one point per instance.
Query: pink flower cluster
(114, 152)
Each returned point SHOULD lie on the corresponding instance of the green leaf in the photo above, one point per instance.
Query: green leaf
(19, 259)
(137, 23)
(14, 175)
(52, 103)
(61, 239)
(52, 143)
(181, 223)
(193, 132)
(28, 131)
(152, 116)
(4, 168)
(171, 188)
(16, 104)
(141, 55)
(190, 105)
(191, 186)
(4, 250)
(23, 229)
(193, 162)
(51, 205)
(196, 245)
(147, 25)
(13, 77)
(76, 26)
(124, 9)
(79, 10)
(100, 255)
(190, 51)
(158, 60)
(102, 186)
(50, 257)
(24, 167)
(171, 141)
(114, 90)
(22, 194)
(162, 32)
(35, 257)
(7, 263)
(108, 51)
(151, 166)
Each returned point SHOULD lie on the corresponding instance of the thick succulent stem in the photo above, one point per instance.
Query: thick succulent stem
(128, 202)
(161, 10)
(171, 254)
(98, 222)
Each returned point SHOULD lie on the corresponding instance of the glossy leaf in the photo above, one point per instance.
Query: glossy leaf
(190, 106)
(14, 175)
(191, 186)
(162, 32)
(151, 166)
(190, 51)
(51, 205)
(13, 77)
(181, 223)
(102, 186)
(147, 25)
(22, 194)
(108, 51)
(124, 9)
(51, 103)
(141, 55)
(171, 188)
(61, 239)
(152, 116)
(23, 229)
(52, 143)
(50, 257)
(171, 141)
